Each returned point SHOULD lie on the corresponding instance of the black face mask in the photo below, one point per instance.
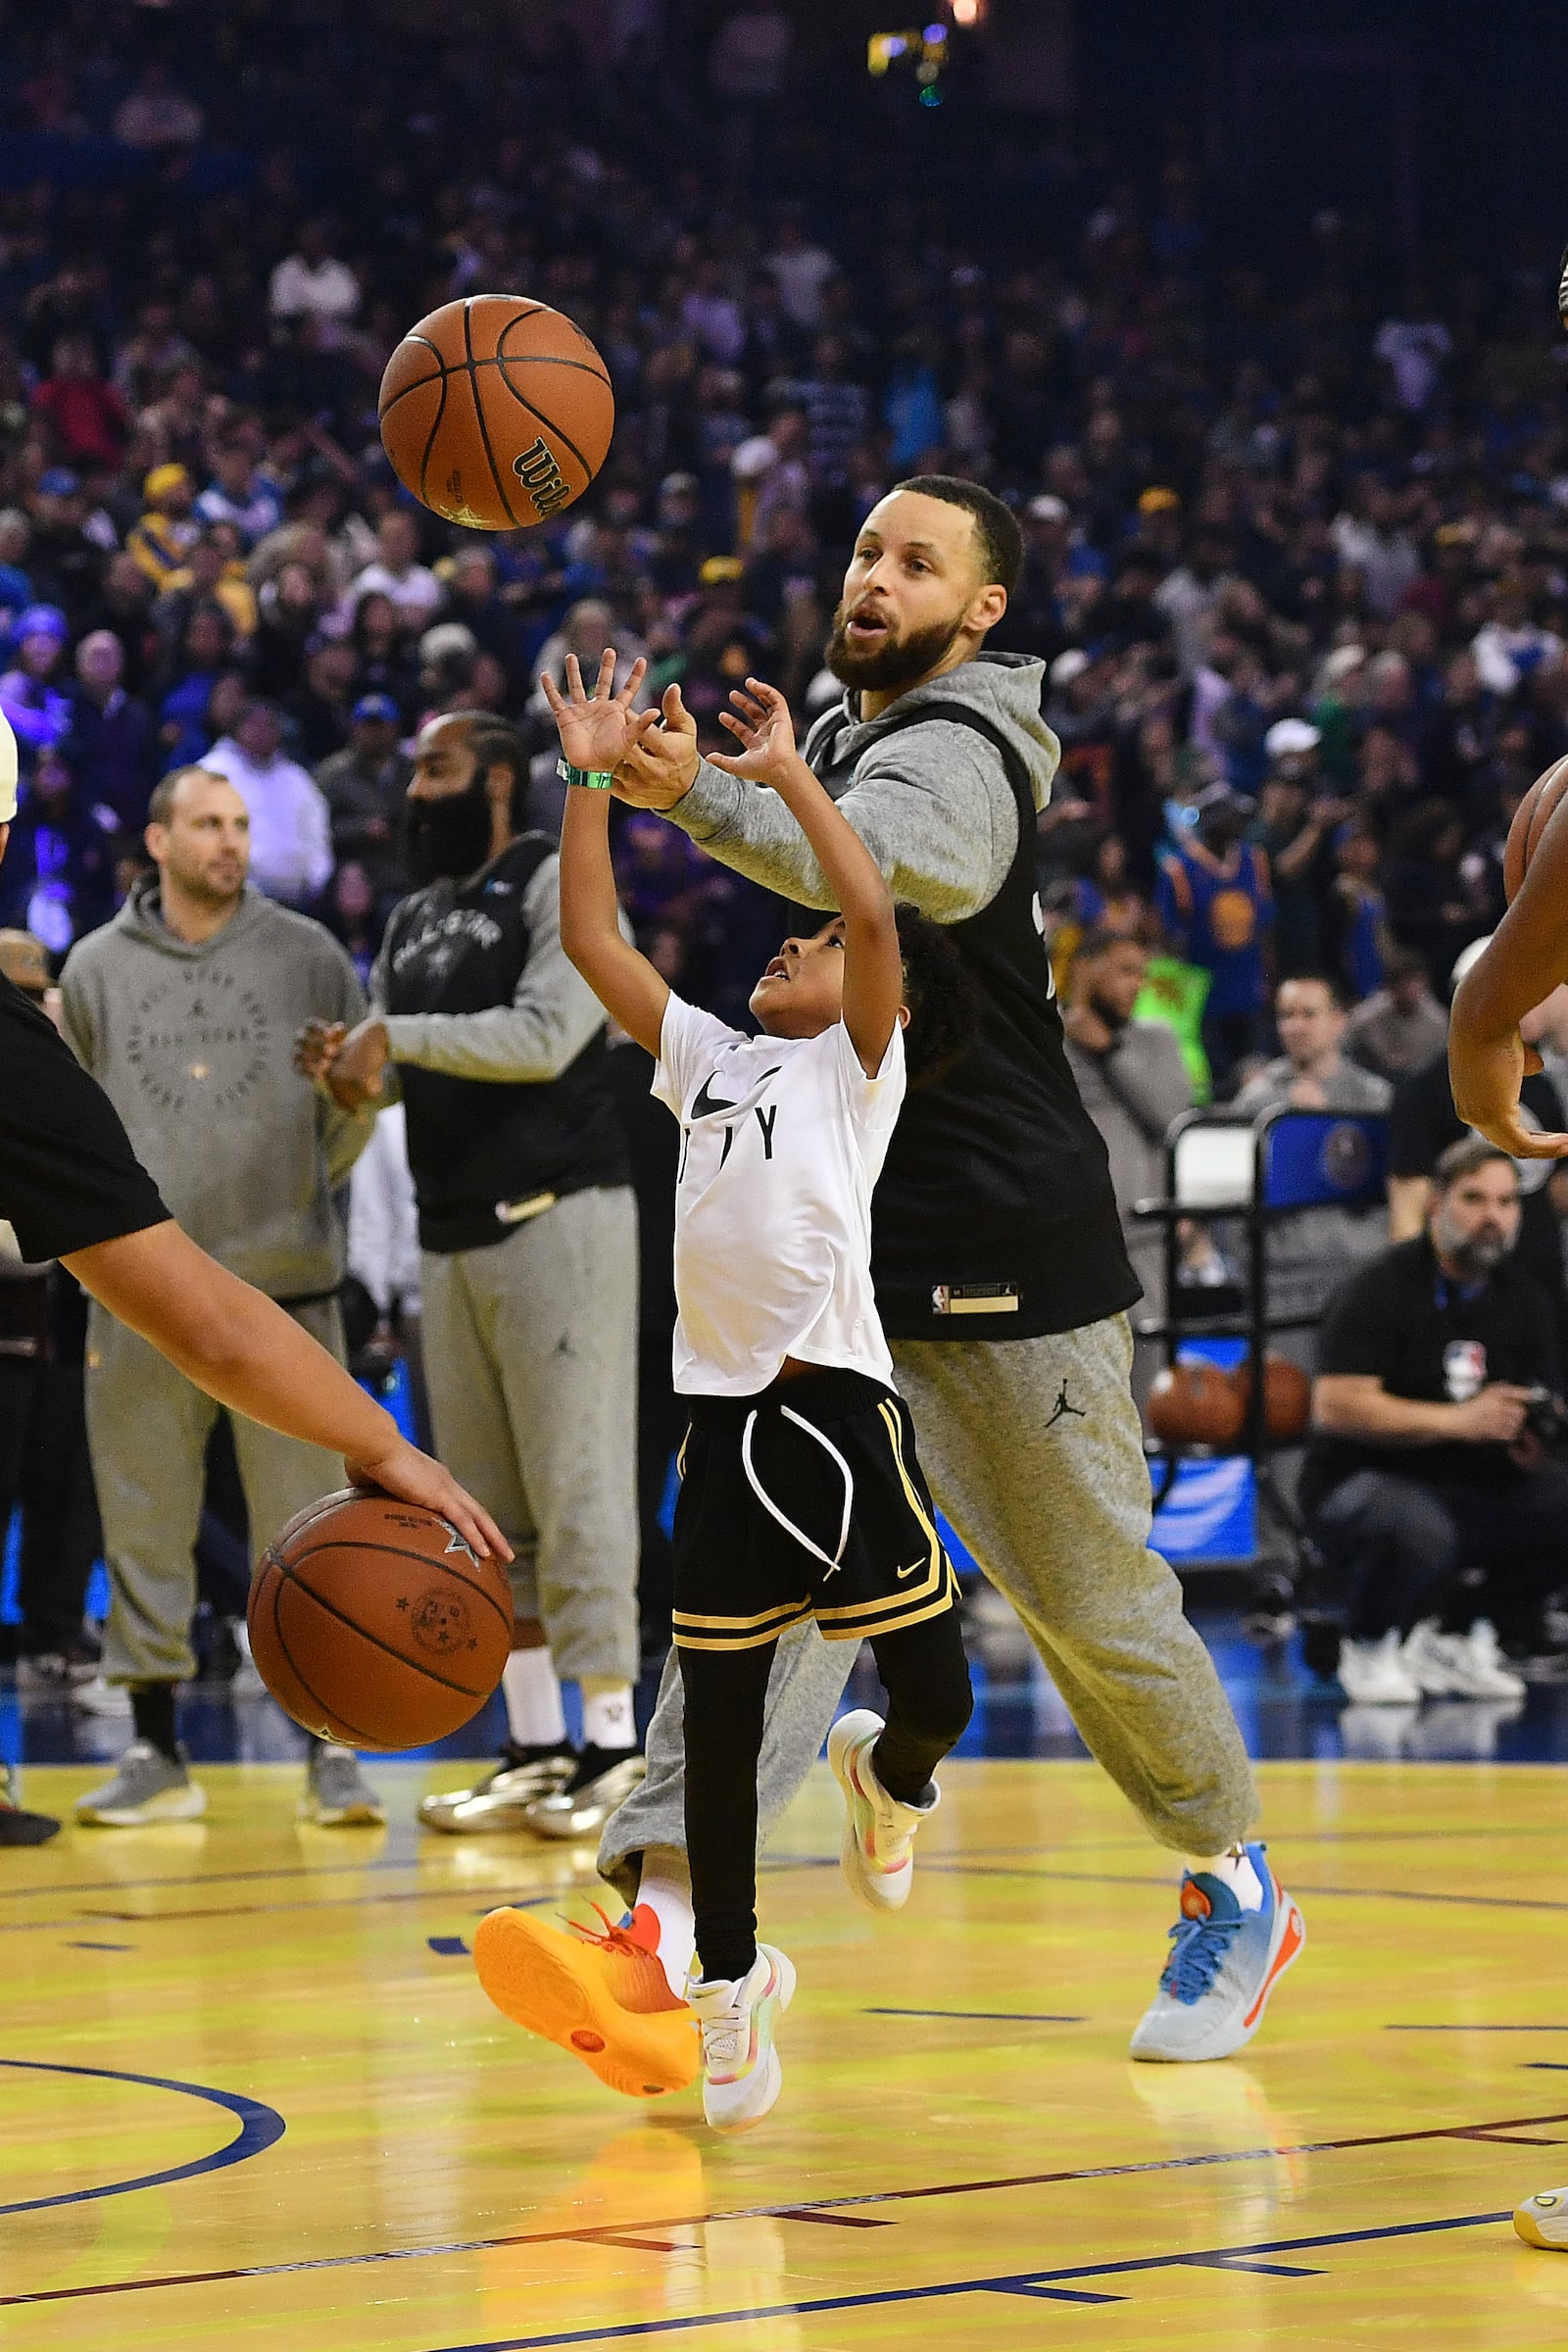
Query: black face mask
(448, 839)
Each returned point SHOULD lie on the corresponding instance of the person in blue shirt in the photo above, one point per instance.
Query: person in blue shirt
(1216, 906)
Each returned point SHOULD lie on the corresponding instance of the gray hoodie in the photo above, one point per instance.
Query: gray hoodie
(933, 806)
(194, 1046)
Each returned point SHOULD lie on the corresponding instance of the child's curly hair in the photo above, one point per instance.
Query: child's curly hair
(944, 1002)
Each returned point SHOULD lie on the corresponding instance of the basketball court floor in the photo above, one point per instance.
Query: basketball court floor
(251, 2093)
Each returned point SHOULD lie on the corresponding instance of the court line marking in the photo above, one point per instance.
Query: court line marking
(1475, 2029)
(1050, 2286)
(260, 2129)
(1363, 1894)
(333, 1902)
(984, 2017)
(821, 2209)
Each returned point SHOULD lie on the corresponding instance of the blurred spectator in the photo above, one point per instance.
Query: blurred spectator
(311, 282)
(163, 539)
(238, 494)
(1401, 1026)
(364, 788)
(1422, 1466)
(1217, 907)
(58, 879)
(31, 692)
(155, 115)
(1134, 1082)
(85, 418)
(109, 735)
(290, 833)
(412, 588)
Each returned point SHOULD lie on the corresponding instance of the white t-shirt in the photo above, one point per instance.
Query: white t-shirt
(782, 1140)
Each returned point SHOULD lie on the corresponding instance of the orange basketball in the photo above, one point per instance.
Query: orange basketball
(373, 1622)
(1287, 1396)
(1528, 824)
(1194, 1404)
(496, 411)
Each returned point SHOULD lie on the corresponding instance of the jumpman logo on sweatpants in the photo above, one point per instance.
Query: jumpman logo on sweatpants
(1062, 1407)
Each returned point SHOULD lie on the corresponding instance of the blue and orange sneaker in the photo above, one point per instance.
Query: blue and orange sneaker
(1224, 1964)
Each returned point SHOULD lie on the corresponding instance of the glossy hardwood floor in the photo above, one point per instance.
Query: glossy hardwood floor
(250, 2093)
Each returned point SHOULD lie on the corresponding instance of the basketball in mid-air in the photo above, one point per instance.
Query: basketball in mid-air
(496, 411)
(1530, 822)
(374, 1622)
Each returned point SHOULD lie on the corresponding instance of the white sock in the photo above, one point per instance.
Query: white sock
(665, 1889)
(534, 1713)
(1234, 1870)
(607, 1717)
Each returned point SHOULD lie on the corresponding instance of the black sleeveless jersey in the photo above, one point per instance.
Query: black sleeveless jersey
(479, 1149)
(994, 1217)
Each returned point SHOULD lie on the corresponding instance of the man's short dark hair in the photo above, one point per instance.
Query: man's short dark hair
(160, 805)
(943, 1000)
(996, 527)
(1336, 987)
(1099, 941)
(1462, 1160)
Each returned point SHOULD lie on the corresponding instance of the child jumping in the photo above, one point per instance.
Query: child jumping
(801, 1494)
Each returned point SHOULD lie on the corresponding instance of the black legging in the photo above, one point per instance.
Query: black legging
(927, 1678)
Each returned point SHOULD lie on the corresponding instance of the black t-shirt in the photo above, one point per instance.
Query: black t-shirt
(1423, 1123)
(68, 1177)
(1401, 1321)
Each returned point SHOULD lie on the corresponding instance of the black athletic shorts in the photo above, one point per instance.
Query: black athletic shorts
(805, 1500)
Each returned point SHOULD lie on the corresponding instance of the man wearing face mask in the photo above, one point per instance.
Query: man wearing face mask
(1436, 1366)
(1134, 1082)
(528, 1257)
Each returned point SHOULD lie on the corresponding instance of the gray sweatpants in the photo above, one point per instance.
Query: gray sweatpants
(1034, 1453)
(148, 1429)
(531, 1359)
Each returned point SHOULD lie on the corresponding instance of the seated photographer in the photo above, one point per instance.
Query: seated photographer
(1434, 1482)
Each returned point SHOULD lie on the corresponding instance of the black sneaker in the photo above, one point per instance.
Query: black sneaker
(18, 1828)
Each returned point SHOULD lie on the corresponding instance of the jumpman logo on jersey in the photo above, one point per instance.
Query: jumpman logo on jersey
(1062, 1408)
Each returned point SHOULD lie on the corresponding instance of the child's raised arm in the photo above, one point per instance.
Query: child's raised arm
(593, 732)
(873, 966)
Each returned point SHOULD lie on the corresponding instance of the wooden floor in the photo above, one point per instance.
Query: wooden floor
(252, 2096)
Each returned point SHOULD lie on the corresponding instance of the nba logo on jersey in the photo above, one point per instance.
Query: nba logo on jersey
(1464, 1369)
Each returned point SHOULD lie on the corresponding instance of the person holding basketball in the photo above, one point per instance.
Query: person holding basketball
(72, 1188)
(802, 1499)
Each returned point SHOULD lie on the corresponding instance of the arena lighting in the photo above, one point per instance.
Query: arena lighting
(928, 49)
(966, 12)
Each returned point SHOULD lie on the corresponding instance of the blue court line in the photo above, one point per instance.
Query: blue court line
(79, 1944)
(448, 1948)
(1544, 2066)
(1475, 2029)
(1360, 1894)
(1048, 2285)
(984, 2017)
(260, 2129)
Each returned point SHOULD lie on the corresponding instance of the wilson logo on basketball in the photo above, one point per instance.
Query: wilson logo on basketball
(536, 468)
(440, 1623)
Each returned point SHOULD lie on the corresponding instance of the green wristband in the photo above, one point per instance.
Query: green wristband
(592, 779)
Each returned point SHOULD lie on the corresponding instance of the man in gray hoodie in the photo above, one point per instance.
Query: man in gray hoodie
(1000, 1275)
(184, 1008)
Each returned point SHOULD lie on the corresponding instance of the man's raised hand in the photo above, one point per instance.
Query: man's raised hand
(597, 731)
(659, 766)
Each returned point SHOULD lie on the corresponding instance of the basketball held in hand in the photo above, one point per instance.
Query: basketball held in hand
(1528, 824)
(496, 411)
(374, 1622)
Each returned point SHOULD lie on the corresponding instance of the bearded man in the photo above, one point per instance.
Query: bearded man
(1002, 1283)
(528, 1259)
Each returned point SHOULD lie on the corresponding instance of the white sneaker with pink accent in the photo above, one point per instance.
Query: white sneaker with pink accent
(876, 1854)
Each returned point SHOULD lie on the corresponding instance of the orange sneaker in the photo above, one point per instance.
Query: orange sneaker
(602, 1998)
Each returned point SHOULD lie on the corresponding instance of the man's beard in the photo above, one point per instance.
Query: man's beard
(1471, 1255)
(893, 664)
(448, 839)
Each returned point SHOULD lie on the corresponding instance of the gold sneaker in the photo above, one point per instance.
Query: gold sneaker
(602, 1781)
(501, 1800)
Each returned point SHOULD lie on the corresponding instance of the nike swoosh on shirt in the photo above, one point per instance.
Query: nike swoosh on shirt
(705, 1103)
